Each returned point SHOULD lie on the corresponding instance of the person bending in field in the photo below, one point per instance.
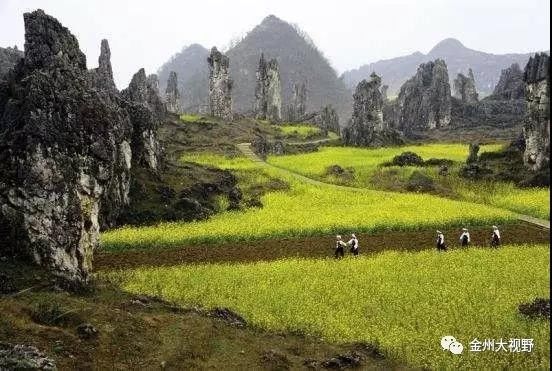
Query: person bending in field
(353, 242)
(441, 241)
(495, 237)
(339, 247)
(465, 237)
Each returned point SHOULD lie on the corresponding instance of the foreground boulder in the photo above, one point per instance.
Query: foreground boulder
(57, 152)
(424, 101)
(536, 129)
(268, 91)
(68, 141)
(24, 357)
(220, 85)
(367, 127)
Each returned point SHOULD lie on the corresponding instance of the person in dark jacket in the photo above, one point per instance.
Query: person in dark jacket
(495, 237)
(339, 247)
(441, 241)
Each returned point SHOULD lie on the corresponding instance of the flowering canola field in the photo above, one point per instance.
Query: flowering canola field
(366, 164)
(403, 302)
(304, 210)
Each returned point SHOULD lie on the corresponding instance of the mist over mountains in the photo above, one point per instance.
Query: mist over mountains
(298, 58)
(301, 61)
(486, 67)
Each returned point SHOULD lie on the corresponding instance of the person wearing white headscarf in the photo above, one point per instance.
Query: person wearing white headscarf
(441, 241)
(339, 247)
(465, 237)
(353, 242)
(495, 238)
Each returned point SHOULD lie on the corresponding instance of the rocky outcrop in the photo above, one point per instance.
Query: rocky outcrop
(510, 86)
(384, 89)
(9, 58)
(116, 191)
(298, 108)
(424, 101)
(68, 142)
(327, 120)
(366, 127)
(268, 91)
(103, 75)
(172, 95)
(220, 85)
(145, 109)
(57, 152)
(464, 88)
(536, 129)
(24, 357)
(473, 153)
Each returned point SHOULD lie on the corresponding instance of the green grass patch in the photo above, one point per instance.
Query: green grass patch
(404, 302)
(299, 131)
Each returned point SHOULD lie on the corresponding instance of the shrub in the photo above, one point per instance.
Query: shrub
(420, 182)
(407, 159)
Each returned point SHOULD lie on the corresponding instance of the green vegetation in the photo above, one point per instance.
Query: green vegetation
(190, 117)
(300, 131)
(404, 302)
(368, 173)
(290, 212)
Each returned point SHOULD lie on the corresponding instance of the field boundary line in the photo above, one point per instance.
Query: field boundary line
(245, 149)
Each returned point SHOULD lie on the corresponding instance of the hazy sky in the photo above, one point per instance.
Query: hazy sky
(146, 33)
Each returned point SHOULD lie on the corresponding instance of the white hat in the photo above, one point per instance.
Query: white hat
(353, 235)
(465, 229)
(439, 232)
(338, 237)
(495, 227)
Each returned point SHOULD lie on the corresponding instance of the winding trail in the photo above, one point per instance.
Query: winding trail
(245, 148)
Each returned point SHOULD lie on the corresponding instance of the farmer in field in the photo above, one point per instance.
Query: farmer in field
(495, 238)
(465, 237)
(339, 247)
(441, 241)
(353, 242)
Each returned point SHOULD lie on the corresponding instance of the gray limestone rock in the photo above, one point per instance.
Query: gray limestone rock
(536, 129)
(464, 88)
(510, 86)
(424, 101)
(220, 85)
(172, 94)
(268, 94)
(366, 127)
(57, 152)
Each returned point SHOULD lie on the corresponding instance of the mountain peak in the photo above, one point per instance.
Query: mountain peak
(447, 46)
(271, 19)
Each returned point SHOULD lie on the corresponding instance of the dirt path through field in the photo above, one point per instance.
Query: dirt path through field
(245, 148)
(311, 247)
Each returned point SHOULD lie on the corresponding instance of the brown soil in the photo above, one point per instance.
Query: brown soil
(310, 247)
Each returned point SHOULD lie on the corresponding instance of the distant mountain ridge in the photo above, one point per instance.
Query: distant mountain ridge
(190, 64)
(298, 58)
(394, 72)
